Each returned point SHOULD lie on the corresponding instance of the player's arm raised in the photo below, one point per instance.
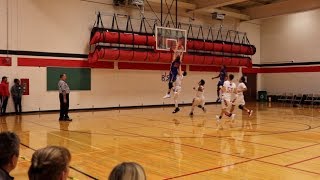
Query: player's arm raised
(180, 70)
(216, 77)
(181, 57)
(175, 53)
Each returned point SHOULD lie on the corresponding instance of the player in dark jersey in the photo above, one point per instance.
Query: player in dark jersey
(174, 69)
(222, 76)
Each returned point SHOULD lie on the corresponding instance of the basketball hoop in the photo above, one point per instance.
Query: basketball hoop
(168, 38)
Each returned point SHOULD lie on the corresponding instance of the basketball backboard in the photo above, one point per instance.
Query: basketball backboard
(168, 38)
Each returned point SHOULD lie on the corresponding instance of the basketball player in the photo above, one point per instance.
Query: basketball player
(177, 88)
(174, 69)
(199, 99)
(240, 97)
(228, 94)
(222, 76)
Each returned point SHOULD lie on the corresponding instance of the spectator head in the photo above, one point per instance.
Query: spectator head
(16, 81)
(50, 163)
(5, 78)
(63, 76)
(128, 171)
(9, 150)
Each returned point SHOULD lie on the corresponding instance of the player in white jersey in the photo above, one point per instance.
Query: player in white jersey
(228, 95)
(239, 100)
(199, 100)
(177, 88)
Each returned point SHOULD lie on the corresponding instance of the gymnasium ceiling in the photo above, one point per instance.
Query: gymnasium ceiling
(248, 9)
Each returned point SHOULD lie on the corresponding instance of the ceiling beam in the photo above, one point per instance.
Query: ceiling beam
(216, 4)
(281, 8)
(183, 5)
(236, 15)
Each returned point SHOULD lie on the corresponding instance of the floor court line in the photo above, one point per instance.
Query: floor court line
(241, 157)
(286, 166)
(288, 151)
(225, 138)
(187, 145)
(210, 136)
(255, 159)
(248, 159)
(77, 142)
(281, 132)
(206, 170)
(303, 161)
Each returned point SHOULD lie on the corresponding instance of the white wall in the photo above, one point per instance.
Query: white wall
(304, 83)
(253, 30)
(290, 37)
(64, 26)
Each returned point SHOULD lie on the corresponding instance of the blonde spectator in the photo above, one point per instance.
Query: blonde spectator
(128, 171)
(50, 163)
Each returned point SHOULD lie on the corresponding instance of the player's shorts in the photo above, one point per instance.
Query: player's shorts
(177, 89)
(173, 77)
(225, 103)
(198, 101)
(239, 101)
(220, 83)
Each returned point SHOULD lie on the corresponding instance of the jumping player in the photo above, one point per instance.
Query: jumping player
(199, 100)
(177, 88)
(228, 94)
(174, 69)
(222, 76)
(240, 97)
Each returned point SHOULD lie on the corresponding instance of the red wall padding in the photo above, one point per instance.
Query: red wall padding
(236, 48)
(145, 66)
(198, 45)
(165, 57)
(208, 46)
(126, 38)
(5, 61)
(136, 39)
(188, 59)
(139, 56)
(209, 60)
(217, 47)
(44, 62)
(218, 60)
(140, 40)
(211, 68)
(227, 48)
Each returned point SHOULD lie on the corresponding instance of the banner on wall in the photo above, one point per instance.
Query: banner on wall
(25, 86)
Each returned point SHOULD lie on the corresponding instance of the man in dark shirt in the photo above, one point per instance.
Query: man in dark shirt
(16, 92)
(9, 154)
(222, 76)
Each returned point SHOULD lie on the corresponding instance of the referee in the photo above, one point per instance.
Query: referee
(64, 91)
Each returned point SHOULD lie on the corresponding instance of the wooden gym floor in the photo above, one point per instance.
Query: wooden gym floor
(284, 142)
